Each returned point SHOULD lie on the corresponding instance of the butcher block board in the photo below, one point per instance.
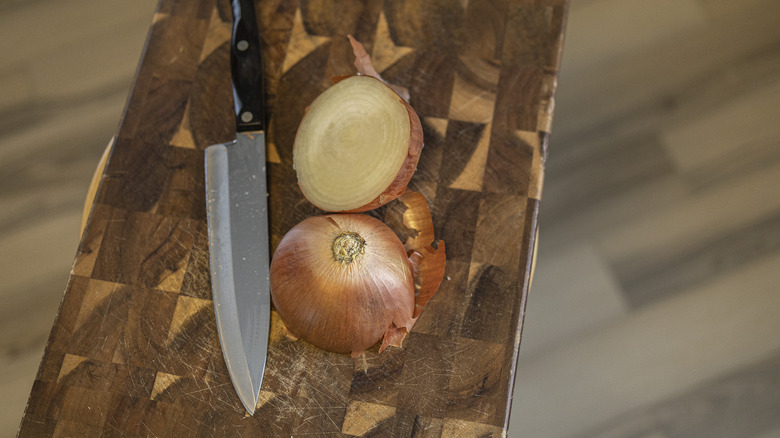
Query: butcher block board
(134, 349)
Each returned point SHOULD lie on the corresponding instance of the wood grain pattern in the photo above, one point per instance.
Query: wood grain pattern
(134, 349)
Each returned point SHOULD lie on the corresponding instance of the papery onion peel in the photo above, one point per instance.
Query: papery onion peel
(428, 262)
(365, 67)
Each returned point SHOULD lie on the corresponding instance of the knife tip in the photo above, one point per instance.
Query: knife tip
(249, 411)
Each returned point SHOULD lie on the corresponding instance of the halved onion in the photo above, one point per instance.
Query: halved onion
(357, 146)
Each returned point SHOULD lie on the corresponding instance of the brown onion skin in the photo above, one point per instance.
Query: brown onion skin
(405, 172)
(342, 308)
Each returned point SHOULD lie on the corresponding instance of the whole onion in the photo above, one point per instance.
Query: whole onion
(342, 281)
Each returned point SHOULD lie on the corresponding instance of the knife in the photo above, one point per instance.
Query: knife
(238, 218)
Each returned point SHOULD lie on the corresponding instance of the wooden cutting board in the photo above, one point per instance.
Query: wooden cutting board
(134, 349)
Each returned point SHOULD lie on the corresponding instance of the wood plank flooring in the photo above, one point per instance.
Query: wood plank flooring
(654, 308)
(65, 73)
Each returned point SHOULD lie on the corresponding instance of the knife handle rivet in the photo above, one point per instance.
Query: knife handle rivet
(242, 45)
(246, 117)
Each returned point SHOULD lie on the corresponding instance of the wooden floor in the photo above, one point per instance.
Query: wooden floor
(655, 309)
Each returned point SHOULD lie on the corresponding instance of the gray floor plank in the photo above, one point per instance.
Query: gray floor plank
(744, 403)
(650, 355)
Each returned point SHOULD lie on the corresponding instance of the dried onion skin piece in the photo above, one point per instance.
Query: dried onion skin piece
(428, 263)
(364, 66)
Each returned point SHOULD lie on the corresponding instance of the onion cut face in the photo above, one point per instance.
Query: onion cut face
(357, 146)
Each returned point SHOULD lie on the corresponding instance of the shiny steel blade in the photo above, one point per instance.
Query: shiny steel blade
(239, 257)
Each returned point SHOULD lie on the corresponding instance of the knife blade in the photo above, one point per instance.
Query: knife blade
(237, 213)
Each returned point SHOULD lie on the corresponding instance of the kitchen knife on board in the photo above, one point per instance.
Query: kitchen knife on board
(237, 210)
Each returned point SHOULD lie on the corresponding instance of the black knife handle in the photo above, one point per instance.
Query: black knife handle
(246, 67)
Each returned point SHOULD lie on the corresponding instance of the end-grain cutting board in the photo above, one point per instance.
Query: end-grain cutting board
(134, 349)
